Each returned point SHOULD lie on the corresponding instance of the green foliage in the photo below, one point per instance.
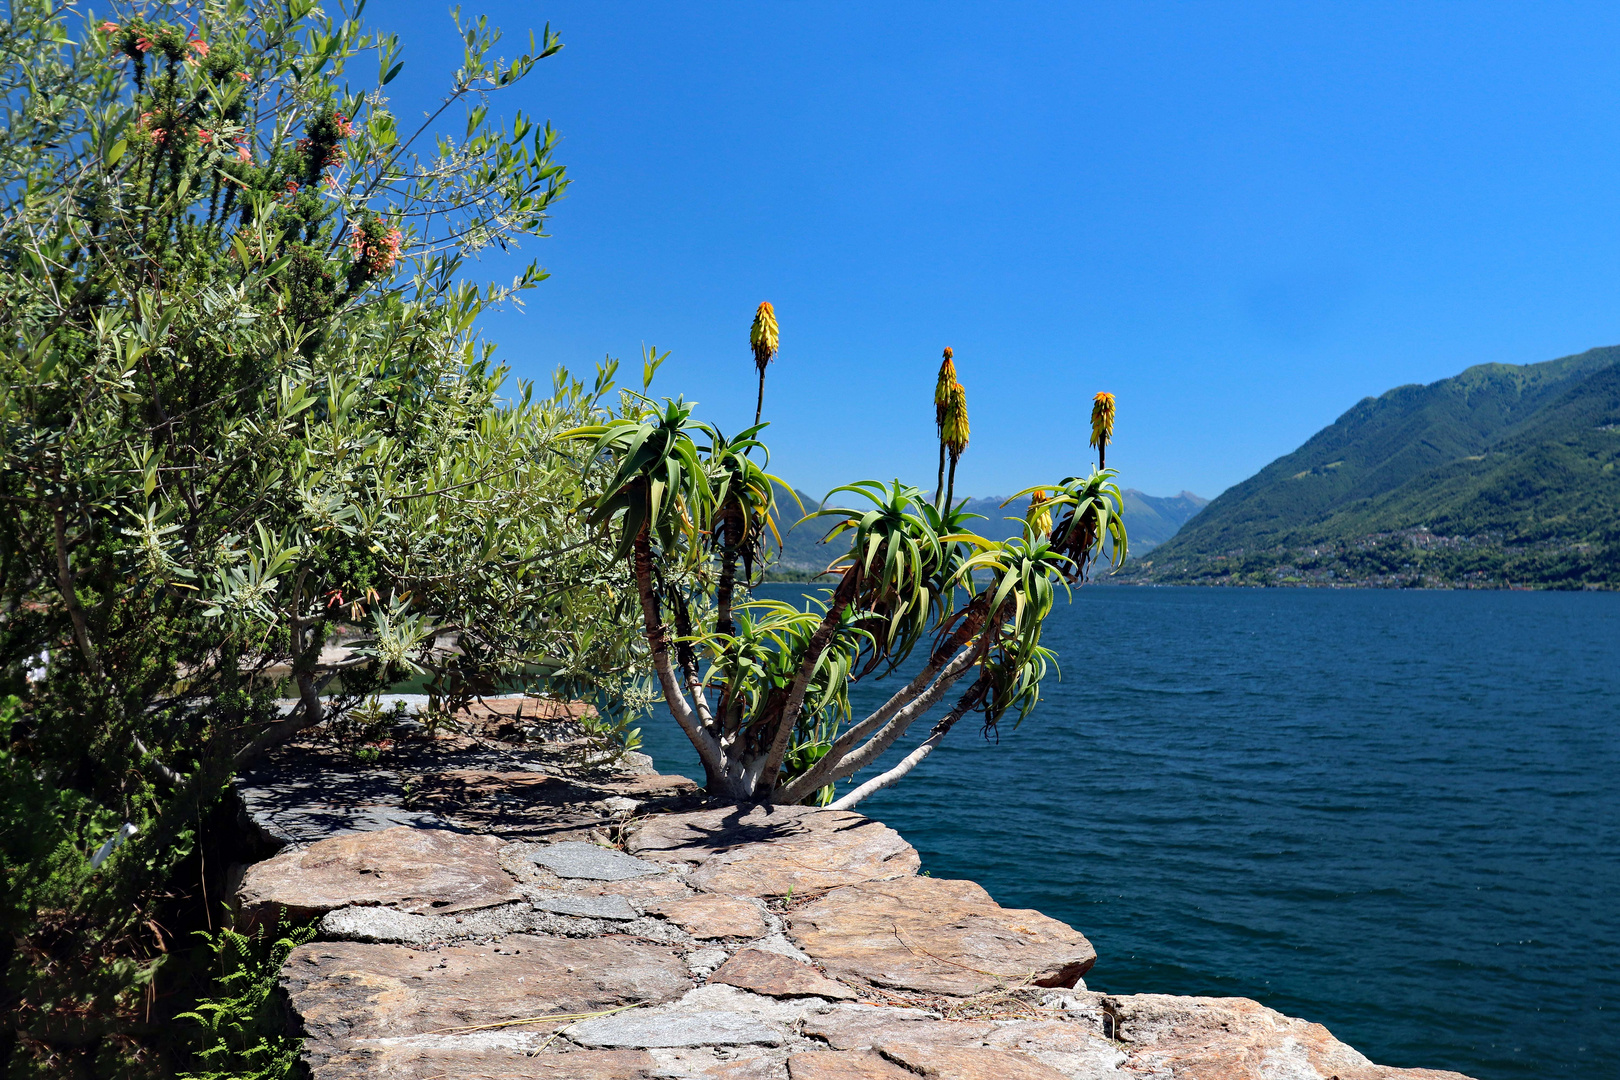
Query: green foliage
(247, 411)
(362, 728)
(1499, 474)
(659, 483)
(902, 553)
(240, 1036)
(41, 860)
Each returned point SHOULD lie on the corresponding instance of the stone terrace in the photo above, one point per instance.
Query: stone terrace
(498, 912)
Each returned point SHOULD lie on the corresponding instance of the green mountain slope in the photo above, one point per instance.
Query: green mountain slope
(1504, 473)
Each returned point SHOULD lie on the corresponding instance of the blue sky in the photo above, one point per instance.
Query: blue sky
(1238, 218)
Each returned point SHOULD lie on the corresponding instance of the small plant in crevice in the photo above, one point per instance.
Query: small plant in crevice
(239, 1033)
(364, 731)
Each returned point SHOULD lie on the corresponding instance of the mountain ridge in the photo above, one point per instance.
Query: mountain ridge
(1500, 474)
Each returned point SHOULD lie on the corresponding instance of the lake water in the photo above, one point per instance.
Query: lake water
(1392, 812)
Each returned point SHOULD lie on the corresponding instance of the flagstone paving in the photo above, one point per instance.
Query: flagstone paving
(687, 941)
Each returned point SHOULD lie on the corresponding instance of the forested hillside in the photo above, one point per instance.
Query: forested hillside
(1504, 474)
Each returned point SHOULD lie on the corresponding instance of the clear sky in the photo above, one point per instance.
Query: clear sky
(1239, 218)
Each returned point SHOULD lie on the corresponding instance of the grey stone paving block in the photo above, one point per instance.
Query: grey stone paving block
(387, 924)
(588, 907)
(647, 1030)
(577, 859)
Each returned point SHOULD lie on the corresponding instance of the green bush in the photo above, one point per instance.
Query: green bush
(245, 407)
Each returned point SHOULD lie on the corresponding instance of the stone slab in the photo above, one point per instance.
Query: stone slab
(1074, 1046)
(1183, 1038)
(388, 925)
(711, 916)
(662, 887)
(302, 804)
(776, 850)
(937, 936)
(575, 859)
(967, 1063)
(1217, 1038)
(587, 906)
(776, 975)
(343, 991)
(864, 1028)
(414, 870)
(724, 1063)
(644, 1030)
(410, 1060)
(845, 1065)
(510, 802)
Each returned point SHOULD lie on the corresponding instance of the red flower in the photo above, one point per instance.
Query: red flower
(144, 44)
(109, 28)
(374, 249)
(292, 187)
(200, 45)
(243, 76)
(242, 153)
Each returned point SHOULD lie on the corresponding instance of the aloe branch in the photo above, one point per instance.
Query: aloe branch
(967, 701)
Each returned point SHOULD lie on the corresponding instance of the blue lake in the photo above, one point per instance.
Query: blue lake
(1393, 812)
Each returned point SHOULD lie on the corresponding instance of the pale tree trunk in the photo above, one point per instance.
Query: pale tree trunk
(766, 769)
(853, 760)
(915, 758)
(905, 708)
(972, 619)
(708, 748)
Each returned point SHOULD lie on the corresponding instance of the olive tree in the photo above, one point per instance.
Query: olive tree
(245, 403)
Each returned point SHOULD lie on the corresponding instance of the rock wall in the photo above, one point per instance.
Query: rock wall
(501, 913)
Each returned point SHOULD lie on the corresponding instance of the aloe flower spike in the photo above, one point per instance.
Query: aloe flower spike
(955, 435)
(764, 337)
(1102, 426)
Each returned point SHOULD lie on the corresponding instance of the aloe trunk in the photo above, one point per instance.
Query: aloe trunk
(893, 776)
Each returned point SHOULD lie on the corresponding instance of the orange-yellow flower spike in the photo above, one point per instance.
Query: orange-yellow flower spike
(954, 432)
(942, 390)
(1102, 420)
(763, 335)
(1038, 519)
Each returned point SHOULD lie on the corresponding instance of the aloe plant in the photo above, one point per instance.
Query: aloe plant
(762, 688)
